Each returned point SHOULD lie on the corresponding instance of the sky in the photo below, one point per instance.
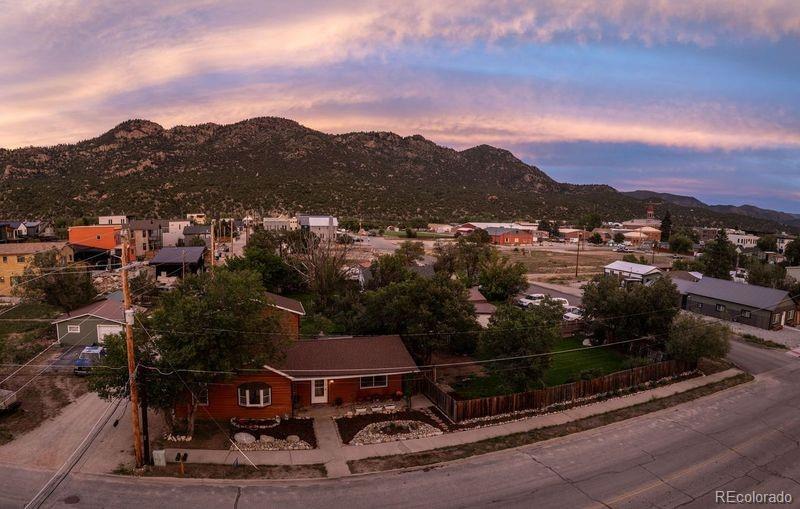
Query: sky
(689, 97)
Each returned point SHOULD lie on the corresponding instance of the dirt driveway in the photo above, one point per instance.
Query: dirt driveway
(51, 443)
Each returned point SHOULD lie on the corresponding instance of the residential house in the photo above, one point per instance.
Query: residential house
(118, 219)
(759, 306)
(90, 324)
(8, 230)
(782, 241)
(280, 223)
(632, 272)
(509, 236)
(43, 230)
(484, 310)
(178, 261)
(340, 370)
(174, 235)
(683, 281)
(197, 231)
(147, 236)
(16, 257)
(323, 227)
(288, 311)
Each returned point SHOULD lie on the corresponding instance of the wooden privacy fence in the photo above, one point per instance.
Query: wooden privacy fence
(461, 409)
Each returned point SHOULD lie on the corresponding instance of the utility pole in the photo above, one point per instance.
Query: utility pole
(578, 255)
(126, 293)
(145, 427)
(213, 247)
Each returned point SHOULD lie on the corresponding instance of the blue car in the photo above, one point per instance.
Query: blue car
(89, 357)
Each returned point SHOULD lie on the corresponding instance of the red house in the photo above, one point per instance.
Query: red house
(510, 236)
(288, 312)
(338, 370)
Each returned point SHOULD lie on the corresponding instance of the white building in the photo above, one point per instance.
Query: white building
(742, 239)
(197, 218)
(112, 220)
(280, 223)
(323, 227)
(632, 272)
(174, 233)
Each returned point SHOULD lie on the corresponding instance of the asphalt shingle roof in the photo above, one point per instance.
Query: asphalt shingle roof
(349, 356)
(187, 254)
(755, 296)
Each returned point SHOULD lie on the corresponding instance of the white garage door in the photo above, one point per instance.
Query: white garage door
(106, 330)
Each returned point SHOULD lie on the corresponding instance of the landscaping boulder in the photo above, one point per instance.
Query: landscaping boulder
(244, 438)
(292, 439)
(266, 439)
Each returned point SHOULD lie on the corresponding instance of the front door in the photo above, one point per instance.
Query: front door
(319, 391)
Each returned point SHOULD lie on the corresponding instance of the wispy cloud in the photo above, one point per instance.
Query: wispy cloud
(707, 77)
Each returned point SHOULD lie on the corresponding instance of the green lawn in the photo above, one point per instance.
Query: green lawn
(564, 368)
(567, 367)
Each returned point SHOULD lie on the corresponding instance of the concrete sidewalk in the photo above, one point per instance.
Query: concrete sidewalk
(331, 452)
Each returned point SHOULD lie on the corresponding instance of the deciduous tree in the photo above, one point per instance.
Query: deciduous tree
(501, 280)
(49, 279)
(515, 332)
(692, 338)
(430, 314)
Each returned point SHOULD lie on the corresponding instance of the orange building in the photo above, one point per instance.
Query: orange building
(106, 236)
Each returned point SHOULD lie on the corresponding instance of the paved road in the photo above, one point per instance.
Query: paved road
(742, 439)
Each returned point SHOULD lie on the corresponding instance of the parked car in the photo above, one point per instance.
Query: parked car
(530, 299)
(573, 314)
(561, 300)
(90, 356)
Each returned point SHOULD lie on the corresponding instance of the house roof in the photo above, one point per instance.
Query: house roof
(287, 304)
(484, 308)
(475, 295)
(632, 268)
(316, 221)
(345, 357)
(23, 248)
(107, 309)
(197, 229)
(500, 230)
(10, 222)
(187, 254)
(759, 297)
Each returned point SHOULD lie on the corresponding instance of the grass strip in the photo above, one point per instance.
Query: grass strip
(381, 463)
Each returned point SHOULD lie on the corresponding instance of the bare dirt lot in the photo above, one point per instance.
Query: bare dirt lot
(42, 393)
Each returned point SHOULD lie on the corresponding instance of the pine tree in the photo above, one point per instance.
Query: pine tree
(666, 227)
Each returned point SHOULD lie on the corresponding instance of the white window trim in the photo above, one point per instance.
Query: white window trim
(266, 398)
(73, 329)
(374, 386)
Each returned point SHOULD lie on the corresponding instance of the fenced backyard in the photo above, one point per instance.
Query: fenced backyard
(459, 410)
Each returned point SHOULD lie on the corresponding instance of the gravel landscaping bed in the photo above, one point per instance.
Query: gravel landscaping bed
(349, 427)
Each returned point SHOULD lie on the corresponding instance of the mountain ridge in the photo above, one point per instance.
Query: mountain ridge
(786, 218)
(272, 164)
